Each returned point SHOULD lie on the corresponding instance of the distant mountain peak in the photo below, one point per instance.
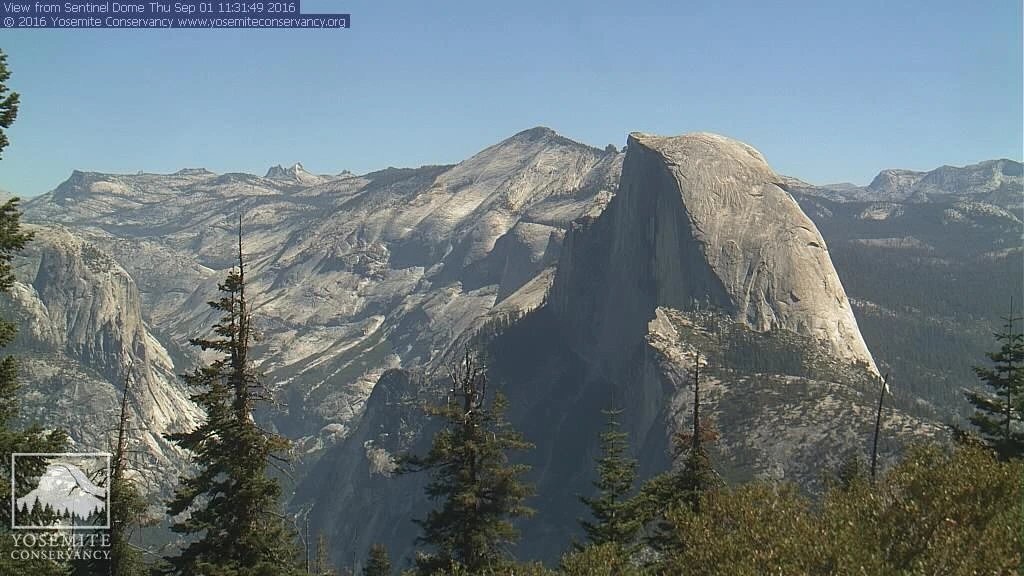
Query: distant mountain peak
(535, 133)
(541, 135)
(994, 181)
(192, 172)
(279, 172)
(294, 173)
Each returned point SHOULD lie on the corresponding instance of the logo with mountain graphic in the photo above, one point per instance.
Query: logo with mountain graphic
(66, 491)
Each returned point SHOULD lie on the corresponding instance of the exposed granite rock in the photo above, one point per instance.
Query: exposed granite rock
(701, 220)
(351, 275)
(81, 325)
(998, 182)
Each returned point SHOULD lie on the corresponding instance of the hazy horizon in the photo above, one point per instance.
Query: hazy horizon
(336, 172)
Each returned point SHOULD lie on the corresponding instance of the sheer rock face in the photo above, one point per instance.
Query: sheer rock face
(700, 220)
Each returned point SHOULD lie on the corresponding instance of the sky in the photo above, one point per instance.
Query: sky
(827, 91)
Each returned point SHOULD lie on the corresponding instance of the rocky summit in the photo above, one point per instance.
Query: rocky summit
(701, 219)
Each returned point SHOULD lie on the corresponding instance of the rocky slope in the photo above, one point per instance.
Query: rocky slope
(352, 275)
(929, 282)
(82, 331)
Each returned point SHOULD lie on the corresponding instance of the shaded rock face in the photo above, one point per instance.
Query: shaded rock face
(701, 221)
(363, 501)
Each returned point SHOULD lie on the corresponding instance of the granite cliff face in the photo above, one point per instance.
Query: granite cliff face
(81, 327)
(700, 220)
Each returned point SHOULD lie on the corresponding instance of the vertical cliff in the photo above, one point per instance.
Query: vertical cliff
(700, 220)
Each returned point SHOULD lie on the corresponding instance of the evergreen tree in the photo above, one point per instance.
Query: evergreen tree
(615, 521)
(8, 103)
(999, 414)
(378, 564)
(853, 470)
(231, 505)
(479, 490)
(126, 503)
(12, 439)
(322, 564)
(934, 512)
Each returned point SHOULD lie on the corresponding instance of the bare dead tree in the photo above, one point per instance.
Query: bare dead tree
(878, 426)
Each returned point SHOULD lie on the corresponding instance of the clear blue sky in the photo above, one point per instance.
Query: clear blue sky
(828, 91)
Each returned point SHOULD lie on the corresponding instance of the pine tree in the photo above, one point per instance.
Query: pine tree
(479, 490)
(999, 414)
(231, 505)
(32, 438)
(615, 521)
(126, 503)
(853, 470)
(8, 103)
(378, 563)
(322, 564)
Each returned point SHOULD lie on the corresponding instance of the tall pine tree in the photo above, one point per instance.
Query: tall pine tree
(8, 103)
(999, 414)
(231, 506)
(614, 517)
(378, 563)
(12, 438)
(480, 491)
(126, 502)
(322, 561)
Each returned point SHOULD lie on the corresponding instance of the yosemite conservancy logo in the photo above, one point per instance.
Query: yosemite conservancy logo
(72, 493)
